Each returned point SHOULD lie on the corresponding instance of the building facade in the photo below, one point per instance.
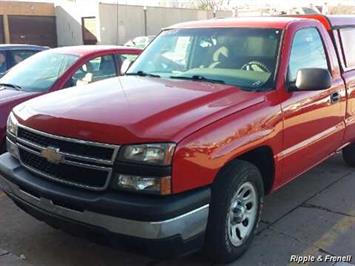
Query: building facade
(28, 23)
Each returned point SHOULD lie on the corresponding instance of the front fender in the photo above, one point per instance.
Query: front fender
(199, 157)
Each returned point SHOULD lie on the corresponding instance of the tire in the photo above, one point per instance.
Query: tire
(349, 155)
(224, 241)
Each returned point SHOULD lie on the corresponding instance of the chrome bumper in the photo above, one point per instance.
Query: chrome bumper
(187, 225)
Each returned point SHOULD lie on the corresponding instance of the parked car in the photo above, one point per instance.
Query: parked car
(179, 153)
(12, 54)
(305, 10)
(57, 69)
(140, 41)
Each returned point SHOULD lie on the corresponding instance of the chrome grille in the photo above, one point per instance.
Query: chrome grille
(73, 148)
(83, 164)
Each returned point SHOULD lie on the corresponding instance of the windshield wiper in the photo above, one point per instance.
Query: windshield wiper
(142, 74)
(16, 87)
(199, 78)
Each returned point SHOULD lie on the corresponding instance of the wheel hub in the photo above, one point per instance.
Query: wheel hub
(239, 212)
(242, 214)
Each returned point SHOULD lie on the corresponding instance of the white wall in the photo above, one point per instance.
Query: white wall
(68, 16)
(117, 24)
(120, 23)
(158, 18)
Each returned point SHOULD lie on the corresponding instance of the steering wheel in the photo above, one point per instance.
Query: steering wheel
(166, 63)
(255, 66)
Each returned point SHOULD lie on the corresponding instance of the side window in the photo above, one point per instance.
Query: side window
(99, 68)
(18, 56)
(307, 52)
(348, 39)
(3, 63)
(124, 61)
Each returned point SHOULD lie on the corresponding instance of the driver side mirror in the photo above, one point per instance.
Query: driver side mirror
(312, 79)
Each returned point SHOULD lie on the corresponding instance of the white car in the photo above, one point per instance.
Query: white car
(140, 41)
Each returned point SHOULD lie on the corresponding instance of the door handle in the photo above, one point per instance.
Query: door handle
(335, 97)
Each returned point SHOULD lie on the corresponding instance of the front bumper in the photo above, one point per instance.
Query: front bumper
(139, 216)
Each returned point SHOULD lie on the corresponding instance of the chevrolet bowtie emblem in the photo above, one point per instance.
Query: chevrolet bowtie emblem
(52, 155)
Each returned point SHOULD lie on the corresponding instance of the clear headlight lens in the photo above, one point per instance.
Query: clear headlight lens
(12, 124)
(156, 154)
(155, 185)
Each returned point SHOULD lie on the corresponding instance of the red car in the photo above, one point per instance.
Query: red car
(57, 69)
(179, 153)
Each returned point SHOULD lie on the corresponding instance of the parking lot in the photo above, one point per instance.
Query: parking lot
(314, 215)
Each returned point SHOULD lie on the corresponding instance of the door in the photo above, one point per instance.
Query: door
(313, 120)
(95, 69)
(346, 39)
(88, 25)
(38, 30)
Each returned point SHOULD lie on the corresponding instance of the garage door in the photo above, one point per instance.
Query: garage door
(89, 30)
(2, 35)
(33, 30)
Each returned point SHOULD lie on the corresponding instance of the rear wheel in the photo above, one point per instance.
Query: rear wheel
(235, 211)
(349, 155)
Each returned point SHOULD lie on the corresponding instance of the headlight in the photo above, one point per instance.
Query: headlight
(156, 154)
(12, 124)
(145, 184)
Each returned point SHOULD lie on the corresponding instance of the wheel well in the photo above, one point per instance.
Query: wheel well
(262, 158)
(3, 146)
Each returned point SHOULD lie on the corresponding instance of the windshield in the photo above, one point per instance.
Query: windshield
(39, 72)
(242, 57)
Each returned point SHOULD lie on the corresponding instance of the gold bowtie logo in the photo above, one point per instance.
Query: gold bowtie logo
(52, 155)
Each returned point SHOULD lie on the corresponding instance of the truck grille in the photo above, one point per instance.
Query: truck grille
(83, 164)
(80, 148)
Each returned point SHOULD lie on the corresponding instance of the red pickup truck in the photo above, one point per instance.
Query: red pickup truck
(179, 153)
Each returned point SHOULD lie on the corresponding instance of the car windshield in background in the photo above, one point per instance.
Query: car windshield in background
(39, 72)
(244, 57)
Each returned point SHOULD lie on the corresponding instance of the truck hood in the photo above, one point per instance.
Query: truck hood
(10, 95)
(133, 109)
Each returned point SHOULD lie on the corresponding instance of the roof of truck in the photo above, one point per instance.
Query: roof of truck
(277, 22)
(333, 21)
(259, 22)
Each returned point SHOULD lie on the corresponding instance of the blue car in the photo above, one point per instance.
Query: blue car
(12, 54)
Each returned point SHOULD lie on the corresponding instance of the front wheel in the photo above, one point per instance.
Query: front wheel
(235, 211)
